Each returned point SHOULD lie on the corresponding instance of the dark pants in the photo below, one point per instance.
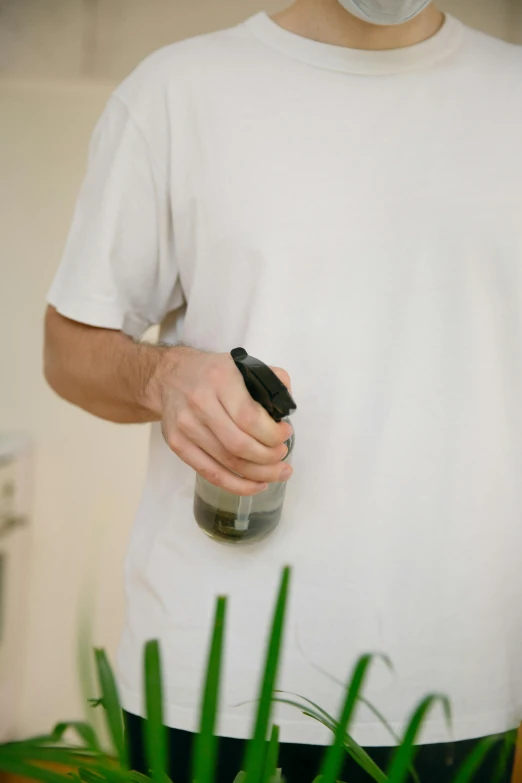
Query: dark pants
(300, 763)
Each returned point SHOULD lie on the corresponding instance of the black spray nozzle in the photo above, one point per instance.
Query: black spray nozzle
(263, 385)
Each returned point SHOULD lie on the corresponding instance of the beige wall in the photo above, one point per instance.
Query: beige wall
(88, 473)
(491, 16)
(104, 39)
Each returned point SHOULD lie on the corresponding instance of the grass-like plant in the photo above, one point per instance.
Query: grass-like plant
(73, 753)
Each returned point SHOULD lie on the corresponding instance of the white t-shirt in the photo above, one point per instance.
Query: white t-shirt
(354, 217)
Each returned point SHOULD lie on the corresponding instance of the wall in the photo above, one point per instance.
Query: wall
(495, 17)
(104, 39)
(57, 67)
(87, 471)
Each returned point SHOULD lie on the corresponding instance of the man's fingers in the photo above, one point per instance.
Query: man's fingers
(251, 418)
(283, 377)
(212, 471)
(199, 434)
(236, 440)
(209, 406)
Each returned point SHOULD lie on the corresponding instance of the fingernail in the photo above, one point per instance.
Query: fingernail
(286, 473)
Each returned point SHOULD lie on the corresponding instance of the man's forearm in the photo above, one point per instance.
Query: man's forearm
(105, 372)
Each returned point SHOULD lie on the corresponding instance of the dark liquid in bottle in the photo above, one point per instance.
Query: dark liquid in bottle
(220, 525)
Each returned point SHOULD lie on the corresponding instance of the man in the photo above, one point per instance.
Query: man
(337, 189)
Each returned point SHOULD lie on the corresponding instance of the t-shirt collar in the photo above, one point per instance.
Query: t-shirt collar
(359, 61)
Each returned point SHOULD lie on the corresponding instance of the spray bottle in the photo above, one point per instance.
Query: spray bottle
(230, 518)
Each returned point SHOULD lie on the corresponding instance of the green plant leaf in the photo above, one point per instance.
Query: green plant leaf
(138, 777)
(66, 756)
(86, 613)
(308, 711)
(272, 756)
(256, 748)
(509, 744)
(38, 741)
(471, 765)
(474, 761)
(205, 749)
(108, 768)
(88, 776)
(386, 660)
(314, 711)
(380, 717)
(240, 778)
(84, 730)
(364, 701)
(31, 772)
(356, 751)
(312, 704)
(351, 747)
(112, 706)
(155, 731)
(358, 754)
(335, 754)
(108, 773)
(403, 757)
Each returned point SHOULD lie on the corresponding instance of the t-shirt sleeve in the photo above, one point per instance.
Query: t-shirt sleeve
(119, 269)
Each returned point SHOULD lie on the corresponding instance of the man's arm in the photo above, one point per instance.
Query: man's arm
(208, 418)
(101, 370)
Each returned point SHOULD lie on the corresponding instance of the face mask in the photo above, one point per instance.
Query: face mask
(385, 12)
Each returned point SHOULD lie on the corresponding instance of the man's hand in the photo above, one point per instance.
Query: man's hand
(208, 417)
(212, 423)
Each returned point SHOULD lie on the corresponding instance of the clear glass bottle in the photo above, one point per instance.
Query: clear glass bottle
(230, 518)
